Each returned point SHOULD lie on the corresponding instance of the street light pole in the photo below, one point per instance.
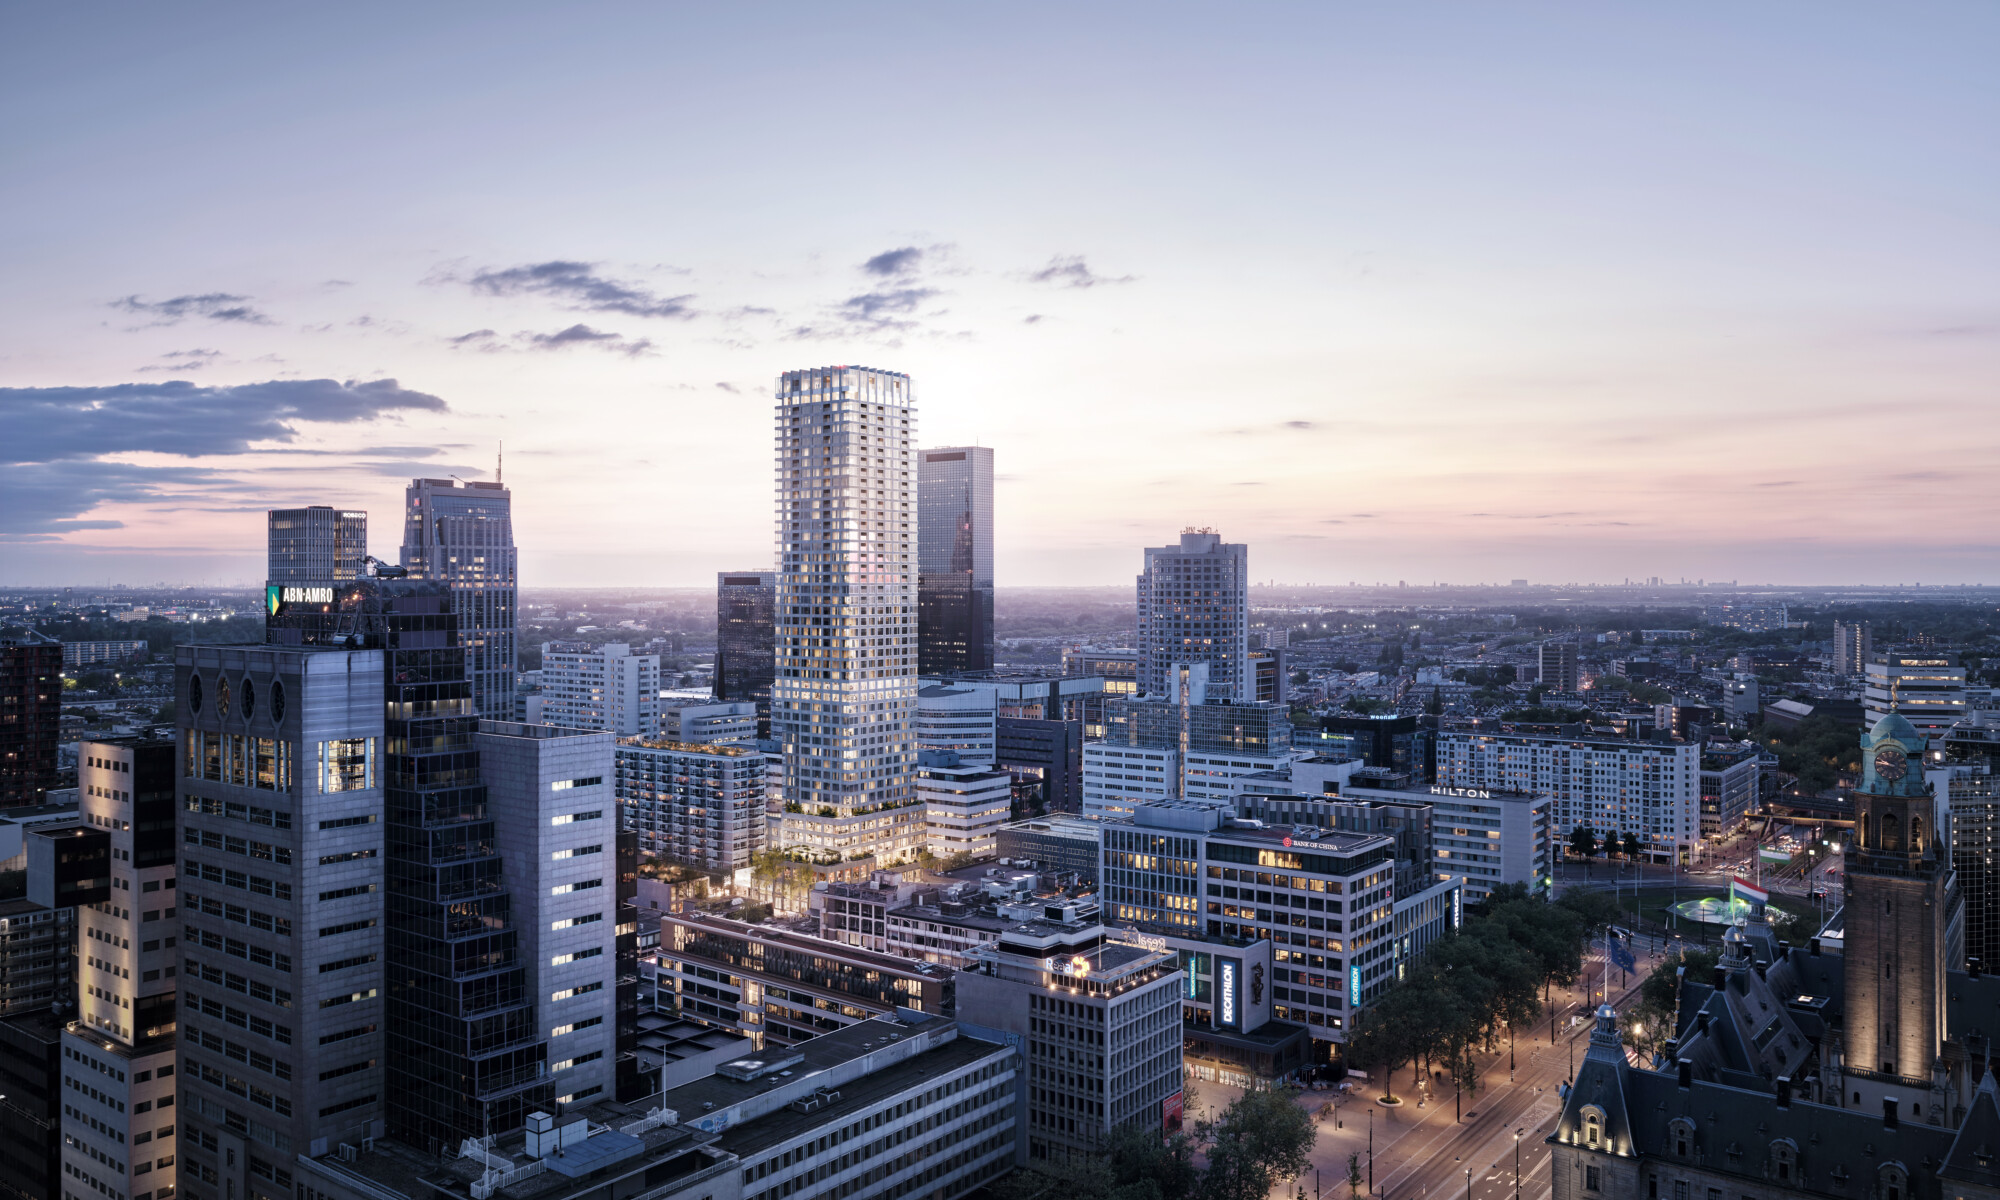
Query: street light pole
(1371, 1151)
(1468, 1183)
(1517, 1164)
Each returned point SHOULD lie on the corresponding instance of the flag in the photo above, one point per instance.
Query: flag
(1744, 890)
(1774, 856)
(1621, 955)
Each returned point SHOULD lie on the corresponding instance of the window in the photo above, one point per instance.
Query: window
(1593, 1180)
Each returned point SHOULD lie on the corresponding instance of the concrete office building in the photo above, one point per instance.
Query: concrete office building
(746, 605)
(955, 560)
(315, 545)
(550, 792)
(463, 535)
(461, 1050)
(1055, 843)
(91, 654)
(780, 988)
(1183, 744)
(1558, 666)
(1927, 687)
(1194, 606)
(1740, 700)
(1046, 760)
(961, 718)
(1327, 902)
(1607, 784)
(845, 697)
(964, 804)
(1481, 837)
(701, 803)
(1729, 773)
(119, 1055)
(37, 957)
(281, 910)
(31, 694)
(600, 687)
(902, 1106)
(1099, 1024)
(714, 721)
(1851, 648)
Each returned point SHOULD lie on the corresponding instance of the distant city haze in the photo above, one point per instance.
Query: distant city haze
(1562, 293)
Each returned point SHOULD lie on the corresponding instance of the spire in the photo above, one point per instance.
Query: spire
(500, 464)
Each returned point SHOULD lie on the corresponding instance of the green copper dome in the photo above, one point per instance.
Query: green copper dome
(1894, 726)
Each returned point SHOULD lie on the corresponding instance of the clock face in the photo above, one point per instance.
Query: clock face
(1890, 763)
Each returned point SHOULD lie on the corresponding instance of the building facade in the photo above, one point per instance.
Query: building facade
(1046, 760)
(120, 1054)
(1194, 607)
(845, 695)
(1729, 774)
(959, 718)
(1927, 687)
(964, 804)
(31, 693)
(1608, 785)
(463, 535)
(600, 687)
(280, 965)
(701, 803)
(556, 816)
(1099, 1025)
(746, 605)
(1851, 648)
(461, 1051)
(91, 654)
(1558, 666)
(317, 544)
(955, 560)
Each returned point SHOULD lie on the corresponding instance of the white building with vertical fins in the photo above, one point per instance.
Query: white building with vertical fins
(845, 697)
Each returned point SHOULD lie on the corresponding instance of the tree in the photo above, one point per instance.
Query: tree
(1632, 846)
(1354, 1175)
(1262, 1137)
(1583, 843)
(1653, 1020)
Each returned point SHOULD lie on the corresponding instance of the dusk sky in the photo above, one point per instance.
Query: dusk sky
(1563, 292)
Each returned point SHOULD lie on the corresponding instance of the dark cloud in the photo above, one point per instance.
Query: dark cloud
(584, 335)
(482, 338)
(731, 388)
(1072, 272)
(183, 360)
(216, 306)
(53, 465)
(1298, 424)
(892, 263)
(884, 307)
(579, 287)
(1031, 318)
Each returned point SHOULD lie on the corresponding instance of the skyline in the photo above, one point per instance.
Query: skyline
(1536, 292)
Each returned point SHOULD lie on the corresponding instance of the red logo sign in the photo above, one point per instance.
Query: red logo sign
(1288, 841)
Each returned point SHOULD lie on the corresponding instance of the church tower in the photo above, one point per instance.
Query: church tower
(1902, 920)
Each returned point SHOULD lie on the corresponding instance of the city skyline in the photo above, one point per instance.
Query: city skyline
(1526, 294)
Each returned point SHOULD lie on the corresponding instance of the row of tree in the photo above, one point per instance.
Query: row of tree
(1486, 980)
(1584, 843)
(1260, 1140)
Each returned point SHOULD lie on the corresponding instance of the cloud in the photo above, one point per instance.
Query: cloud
(731, 388)
(584, 335)
(216, 306)
(53, 464)
(1298, 424)
(1779, 483)
(579, 287)
(1031, 318)
(1073, 272)
(481, 339)
(884, 307)
(184, 360)
(894, 263)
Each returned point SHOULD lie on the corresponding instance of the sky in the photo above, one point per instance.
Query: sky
(1463, 293)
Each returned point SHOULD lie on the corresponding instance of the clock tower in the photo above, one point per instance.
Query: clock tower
(1903, 930)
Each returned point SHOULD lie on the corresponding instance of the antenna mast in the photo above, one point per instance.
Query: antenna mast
(500, 464)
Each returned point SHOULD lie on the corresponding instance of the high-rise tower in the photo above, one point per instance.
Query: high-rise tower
(845, 695)
(955, 560)
(463, 535)
(316, 544)
(1904, 923)
(745, 603)
(1194, 606)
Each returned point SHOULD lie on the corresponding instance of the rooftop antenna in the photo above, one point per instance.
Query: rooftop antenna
(500, 464)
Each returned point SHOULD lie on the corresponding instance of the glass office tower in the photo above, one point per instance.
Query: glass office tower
(746, 605)
(316, 544)
(464, 1055)
(955, 560)
(845, 696)
(463, 535)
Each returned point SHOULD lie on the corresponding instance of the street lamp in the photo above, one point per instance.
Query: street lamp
(1468, 1183)
(1517, 1164)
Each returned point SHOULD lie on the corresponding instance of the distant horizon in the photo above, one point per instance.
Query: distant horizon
(1730, 587)
(1510, 291)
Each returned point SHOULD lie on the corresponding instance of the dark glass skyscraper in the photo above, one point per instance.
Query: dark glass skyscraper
(463, 535)
(955, 560)
(464, 1055)
(31, 693)
(746, 608)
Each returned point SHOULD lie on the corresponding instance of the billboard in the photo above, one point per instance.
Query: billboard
(1170, 1113)
(1229, 993)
